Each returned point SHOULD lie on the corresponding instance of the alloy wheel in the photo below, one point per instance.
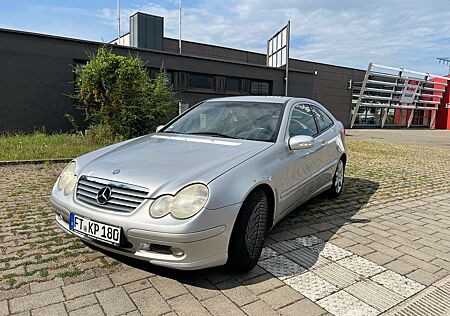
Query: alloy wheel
(339, 178)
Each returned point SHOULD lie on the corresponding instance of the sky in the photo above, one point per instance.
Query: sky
(352, 33)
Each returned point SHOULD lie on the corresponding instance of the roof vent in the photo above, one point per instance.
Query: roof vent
(146, 31)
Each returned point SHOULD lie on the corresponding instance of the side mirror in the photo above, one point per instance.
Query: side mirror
(300, 142)
(160, 127)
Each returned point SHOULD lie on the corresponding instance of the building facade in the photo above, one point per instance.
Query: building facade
(36, 74)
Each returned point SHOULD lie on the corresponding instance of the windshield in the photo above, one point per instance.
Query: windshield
(241, 120)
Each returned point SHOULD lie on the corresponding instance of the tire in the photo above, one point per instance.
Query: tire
(338, 179)
(247, 238)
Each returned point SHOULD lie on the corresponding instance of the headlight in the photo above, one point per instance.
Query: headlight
(186, 203)
(161, 206)
(68, 178)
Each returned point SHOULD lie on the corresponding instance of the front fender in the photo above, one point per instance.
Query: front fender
(236, 184)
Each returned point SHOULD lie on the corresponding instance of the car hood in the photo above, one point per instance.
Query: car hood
(166, 163)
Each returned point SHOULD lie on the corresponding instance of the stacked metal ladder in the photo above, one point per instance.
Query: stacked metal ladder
(382, 89)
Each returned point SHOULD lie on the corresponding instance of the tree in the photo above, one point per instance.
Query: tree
(117, 91)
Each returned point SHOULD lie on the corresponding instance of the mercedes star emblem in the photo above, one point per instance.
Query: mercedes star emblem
(104, 195)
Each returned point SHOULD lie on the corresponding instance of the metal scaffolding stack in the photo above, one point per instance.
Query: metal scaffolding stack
(399, 97)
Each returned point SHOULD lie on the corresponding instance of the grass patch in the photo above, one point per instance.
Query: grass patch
(10, 278)
(43, 146)
(107, 263)
(67, 274)
(11, 281)
(6, 259)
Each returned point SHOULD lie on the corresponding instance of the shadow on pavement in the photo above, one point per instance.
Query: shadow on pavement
(300, 237)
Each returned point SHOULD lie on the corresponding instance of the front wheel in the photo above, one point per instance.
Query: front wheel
(338, 179)
(247, 238)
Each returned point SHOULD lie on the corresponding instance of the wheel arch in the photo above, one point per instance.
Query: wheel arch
(270, 193)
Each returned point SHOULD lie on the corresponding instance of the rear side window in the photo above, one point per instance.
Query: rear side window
(322, 119)
(302, 121)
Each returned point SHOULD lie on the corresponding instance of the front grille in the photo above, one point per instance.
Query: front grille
(124, 197)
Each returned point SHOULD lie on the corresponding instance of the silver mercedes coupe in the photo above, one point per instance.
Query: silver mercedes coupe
(205, 189)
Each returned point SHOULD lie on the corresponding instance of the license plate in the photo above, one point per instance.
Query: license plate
(94, 229)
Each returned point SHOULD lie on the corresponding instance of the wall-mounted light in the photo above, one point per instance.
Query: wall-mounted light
(350, 84)
(316, 72)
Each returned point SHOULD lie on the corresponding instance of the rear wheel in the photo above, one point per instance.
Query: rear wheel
(247, 238)
(338, 179)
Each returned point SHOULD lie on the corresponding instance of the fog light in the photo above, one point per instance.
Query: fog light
(162, 249)
(177, 252)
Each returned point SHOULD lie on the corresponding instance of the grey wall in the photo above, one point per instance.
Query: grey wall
(329, 86)
(199, 49)
(35, 76)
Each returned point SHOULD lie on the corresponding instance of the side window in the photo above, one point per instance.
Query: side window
(322, 119)
(302, 121)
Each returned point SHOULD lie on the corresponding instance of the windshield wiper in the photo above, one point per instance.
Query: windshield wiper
(171, 132)
(212, 134)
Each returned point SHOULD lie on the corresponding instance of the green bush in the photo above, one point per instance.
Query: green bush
(116, 91)
(101, 135)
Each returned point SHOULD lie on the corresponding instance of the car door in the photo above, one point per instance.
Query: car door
(300, 164)
(327, 155)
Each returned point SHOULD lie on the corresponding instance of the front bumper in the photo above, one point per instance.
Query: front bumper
(202, 248)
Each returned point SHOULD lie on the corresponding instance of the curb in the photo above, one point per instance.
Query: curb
(34, 162)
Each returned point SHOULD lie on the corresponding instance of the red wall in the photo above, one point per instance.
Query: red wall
(443, 114)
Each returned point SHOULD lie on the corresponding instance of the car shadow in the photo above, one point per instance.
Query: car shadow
(303, 237)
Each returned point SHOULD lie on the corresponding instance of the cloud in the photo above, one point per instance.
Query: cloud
(351, 33)
(410, 34)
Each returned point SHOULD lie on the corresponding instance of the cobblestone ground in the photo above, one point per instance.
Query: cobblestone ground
(386, 238)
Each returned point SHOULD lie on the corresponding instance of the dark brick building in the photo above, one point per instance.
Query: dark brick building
(36, 75)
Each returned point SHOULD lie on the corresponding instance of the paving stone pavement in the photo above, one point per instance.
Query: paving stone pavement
(382, 242)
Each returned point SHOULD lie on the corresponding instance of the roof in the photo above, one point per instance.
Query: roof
(192, 55)
(252, 98)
